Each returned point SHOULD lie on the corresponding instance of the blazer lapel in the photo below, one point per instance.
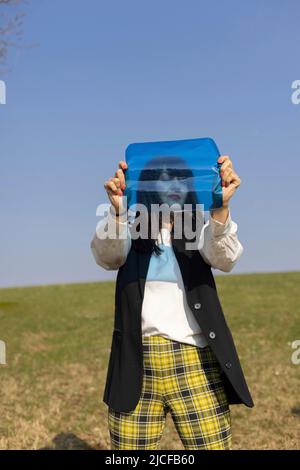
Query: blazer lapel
(143, 261)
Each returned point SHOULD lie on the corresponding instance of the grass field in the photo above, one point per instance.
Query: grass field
(58, 343)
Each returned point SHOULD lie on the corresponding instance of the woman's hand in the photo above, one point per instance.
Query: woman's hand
(116, 185)
(230, 180)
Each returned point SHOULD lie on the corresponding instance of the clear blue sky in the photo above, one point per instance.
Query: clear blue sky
(104, 74)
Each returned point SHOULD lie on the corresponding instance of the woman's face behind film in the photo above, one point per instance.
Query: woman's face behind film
(172, 189)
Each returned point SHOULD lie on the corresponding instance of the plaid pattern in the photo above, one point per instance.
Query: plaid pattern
(184, 380)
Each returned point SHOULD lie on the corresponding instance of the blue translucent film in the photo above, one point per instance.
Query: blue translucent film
(175, 173)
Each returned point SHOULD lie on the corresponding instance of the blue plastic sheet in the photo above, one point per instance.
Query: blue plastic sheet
(179, 173)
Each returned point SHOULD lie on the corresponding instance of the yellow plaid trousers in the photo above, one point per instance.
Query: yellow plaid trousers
(185, 380)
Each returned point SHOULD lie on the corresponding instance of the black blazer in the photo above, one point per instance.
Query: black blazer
(125, 369)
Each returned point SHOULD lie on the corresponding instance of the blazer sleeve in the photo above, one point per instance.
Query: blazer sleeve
(111, 242)
(219, 244)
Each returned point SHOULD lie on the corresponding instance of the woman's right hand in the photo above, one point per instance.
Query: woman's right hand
(115, 187)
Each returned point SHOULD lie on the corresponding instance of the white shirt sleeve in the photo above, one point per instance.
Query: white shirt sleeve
(219, 245)
(110, 251)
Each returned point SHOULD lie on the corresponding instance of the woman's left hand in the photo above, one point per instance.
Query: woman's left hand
(230, 180)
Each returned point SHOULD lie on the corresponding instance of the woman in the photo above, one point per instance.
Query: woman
(171, 352)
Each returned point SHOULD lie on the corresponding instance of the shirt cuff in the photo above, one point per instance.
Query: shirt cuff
(217, 228)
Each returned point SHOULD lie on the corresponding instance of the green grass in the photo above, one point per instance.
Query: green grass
(58, 343)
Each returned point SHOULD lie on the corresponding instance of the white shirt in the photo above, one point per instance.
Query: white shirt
(165, 310)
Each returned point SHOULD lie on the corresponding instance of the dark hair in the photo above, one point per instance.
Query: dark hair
(176, 167)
